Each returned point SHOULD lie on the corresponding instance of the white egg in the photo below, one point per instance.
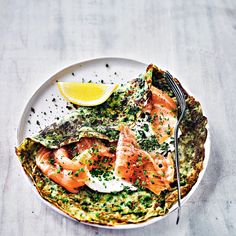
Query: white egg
(103, 185)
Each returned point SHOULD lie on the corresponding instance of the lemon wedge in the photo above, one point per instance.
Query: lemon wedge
(86, 94)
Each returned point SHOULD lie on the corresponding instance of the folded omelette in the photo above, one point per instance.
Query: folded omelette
(114, 163)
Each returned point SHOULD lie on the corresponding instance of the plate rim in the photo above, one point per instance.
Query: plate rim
(207, 146)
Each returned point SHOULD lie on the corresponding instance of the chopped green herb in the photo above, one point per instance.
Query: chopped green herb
(79, 171)
(59, 169)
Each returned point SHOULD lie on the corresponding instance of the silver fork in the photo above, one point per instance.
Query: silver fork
(182, 104)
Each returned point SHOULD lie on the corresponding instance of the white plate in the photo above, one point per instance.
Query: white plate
(116, 70)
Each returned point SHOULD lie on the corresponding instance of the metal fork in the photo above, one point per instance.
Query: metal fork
(181, 101)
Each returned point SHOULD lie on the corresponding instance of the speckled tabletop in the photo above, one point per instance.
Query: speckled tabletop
(195, 40)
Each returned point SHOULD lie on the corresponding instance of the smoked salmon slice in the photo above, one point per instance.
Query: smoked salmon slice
(61, 156)
(163, 113)
(86, 143)
(73, 173)
(63, 177)
(98, 155)
(162, 98)
(139, 167)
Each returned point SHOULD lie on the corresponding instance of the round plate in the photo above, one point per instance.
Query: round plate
(47, 105)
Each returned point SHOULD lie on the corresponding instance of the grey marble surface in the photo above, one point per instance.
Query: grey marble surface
(195, 40)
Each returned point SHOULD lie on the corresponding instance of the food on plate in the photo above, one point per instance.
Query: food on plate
(113, 163)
